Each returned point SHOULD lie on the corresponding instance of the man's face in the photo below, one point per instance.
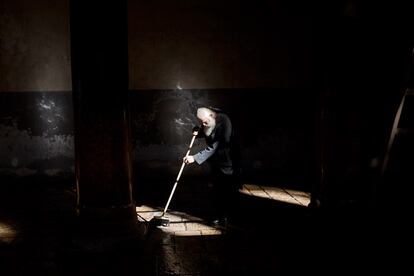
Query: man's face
(206, 119)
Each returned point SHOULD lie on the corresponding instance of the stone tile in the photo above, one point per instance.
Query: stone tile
(302, 197)
(248, 188)
(209, 232)
(173, 227)
(188, 233)
(189, 244)
(190, 226)
(191, 263)
(7, 240)
(145, 208)
(260, 193)
(167, 262)
(8, 232)
(281, 195)
(186, 247)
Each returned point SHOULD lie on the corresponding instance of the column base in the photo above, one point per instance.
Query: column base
(105, 228)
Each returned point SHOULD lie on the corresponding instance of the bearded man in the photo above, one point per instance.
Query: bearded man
(223, 153)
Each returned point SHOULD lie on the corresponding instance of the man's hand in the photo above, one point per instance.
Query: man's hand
(196, 129)
(188, 159)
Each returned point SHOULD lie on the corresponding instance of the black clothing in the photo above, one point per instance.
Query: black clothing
(223, 154)
(222, 148)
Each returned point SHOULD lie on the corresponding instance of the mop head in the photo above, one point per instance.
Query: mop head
(160, 221)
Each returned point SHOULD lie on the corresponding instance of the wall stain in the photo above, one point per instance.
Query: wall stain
(36, 133)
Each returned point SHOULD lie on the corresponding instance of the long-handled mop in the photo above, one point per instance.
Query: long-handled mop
(161, 220)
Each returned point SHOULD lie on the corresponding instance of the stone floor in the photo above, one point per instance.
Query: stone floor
(273, 233)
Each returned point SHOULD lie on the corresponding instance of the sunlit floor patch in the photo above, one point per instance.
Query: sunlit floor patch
(8, 232)
(181, 224)
(279, 194)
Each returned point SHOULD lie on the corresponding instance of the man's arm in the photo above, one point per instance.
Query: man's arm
(222, 139)
(206, 153)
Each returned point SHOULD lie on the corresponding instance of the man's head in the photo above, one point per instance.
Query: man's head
(208, 118)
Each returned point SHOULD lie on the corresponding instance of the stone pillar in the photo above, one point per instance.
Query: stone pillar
(102, 133)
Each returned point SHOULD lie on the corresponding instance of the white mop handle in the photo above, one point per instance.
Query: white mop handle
(179, 174)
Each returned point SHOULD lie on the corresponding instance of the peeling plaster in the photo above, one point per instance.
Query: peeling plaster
(19, 149)
(19, 172)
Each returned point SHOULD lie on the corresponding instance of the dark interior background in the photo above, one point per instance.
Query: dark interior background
(300, 80)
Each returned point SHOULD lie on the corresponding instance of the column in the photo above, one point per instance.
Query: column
(100, 97)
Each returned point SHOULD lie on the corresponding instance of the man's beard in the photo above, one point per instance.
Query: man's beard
(210, 127)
